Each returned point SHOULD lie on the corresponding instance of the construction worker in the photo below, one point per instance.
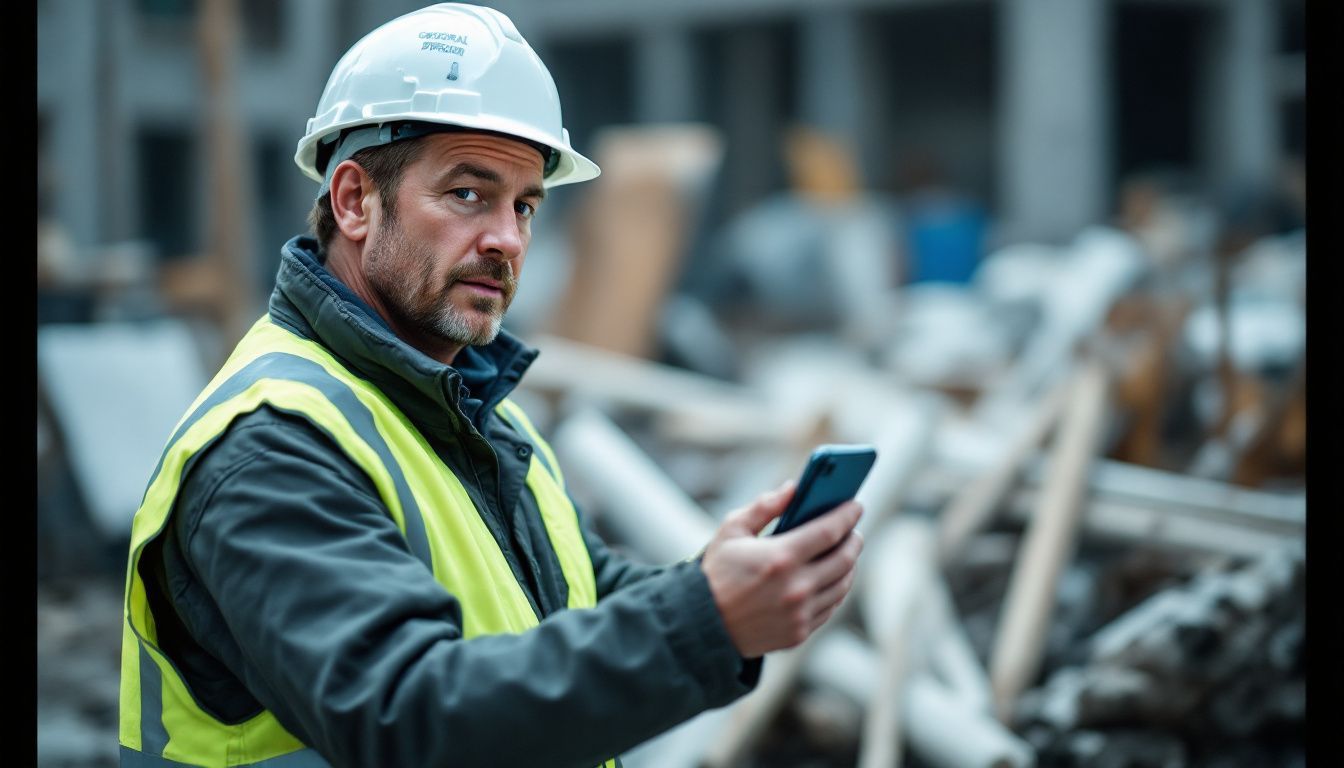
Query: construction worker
(356, 550)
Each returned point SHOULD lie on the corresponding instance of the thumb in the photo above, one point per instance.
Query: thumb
(752, 519)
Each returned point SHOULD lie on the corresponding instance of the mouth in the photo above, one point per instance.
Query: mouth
(483, 286)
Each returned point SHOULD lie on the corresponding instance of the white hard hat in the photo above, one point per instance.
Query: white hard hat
(450, 64)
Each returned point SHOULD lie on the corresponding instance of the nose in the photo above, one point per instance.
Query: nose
(503, 237)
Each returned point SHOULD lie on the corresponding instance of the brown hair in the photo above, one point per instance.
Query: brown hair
(385, 165)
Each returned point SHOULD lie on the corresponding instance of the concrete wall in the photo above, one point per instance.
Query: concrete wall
(1038, 140)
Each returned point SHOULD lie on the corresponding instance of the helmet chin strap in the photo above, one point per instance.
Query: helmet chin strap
(349, 142)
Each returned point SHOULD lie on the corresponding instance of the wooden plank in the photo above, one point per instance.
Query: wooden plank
(973, 507)
(1279, 446)
(229, 219)
(926, 662)
(1143, 328)
(630, 233)
(944, 730)
(1048, 544)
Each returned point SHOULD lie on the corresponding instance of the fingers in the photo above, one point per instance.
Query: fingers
(781, 495)
(815, 537)
(821, 618)
(769, 595)
(828, 600)
(831, 596)
(835, 564)
(754, 517)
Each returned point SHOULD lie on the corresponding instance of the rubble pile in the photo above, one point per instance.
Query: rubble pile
(1208, 672)
(1086, 522)
(1167, 632)
(78, 657)
(1085, 526)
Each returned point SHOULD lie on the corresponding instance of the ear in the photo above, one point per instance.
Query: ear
(354, 200)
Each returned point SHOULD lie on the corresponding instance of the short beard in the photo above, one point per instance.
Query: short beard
(452, 325)
(438, 317)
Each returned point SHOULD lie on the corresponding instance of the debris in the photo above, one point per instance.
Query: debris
(902, 443)
(1085, 543)
(899, 579)
(646, 511)
(945, 337)
(1049, 543)
(723, 413)
(1213, 664)
(115, 391)
(973, 505)
(943, 730)
(78, 653)
(1101, 265)
(1129, 503)
(629, 233)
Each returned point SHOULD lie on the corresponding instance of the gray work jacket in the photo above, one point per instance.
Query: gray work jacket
(376, 674)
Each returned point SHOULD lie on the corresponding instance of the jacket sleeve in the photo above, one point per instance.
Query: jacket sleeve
(333, 625)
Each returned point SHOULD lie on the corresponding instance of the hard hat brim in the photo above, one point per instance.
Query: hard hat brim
(572, 168)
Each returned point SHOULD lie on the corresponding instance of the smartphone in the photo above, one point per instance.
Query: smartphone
(832, 477)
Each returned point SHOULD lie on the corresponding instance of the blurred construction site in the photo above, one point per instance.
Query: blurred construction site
(1048, 256)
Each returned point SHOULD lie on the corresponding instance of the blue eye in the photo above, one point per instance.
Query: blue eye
(464, 193)
(526, 210)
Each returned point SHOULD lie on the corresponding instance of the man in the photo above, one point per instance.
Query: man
(355, 550)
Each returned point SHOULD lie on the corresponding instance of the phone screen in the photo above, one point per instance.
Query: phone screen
(833, 476)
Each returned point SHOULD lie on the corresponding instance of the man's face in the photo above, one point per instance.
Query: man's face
(445, 267)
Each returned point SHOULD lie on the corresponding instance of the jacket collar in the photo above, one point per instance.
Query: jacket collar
(312, 302)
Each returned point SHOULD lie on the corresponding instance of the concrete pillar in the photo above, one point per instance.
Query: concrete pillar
(1241, 123)
(67, 79)
(750, 109)
(665, 75)
(313, 49)
(836, 80)
(1054, 102)
(117, 145)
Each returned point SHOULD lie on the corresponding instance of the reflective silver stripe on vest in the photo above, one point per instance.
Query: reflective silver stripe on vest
(282, 365)
(304, 758)
(153, 736)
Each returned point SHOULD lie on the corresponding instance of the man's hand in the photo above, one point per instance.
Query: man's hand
(774, 591)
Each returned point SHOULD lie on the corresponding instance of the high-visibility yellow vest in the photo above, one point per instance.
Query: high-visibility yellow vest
(161, 722)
